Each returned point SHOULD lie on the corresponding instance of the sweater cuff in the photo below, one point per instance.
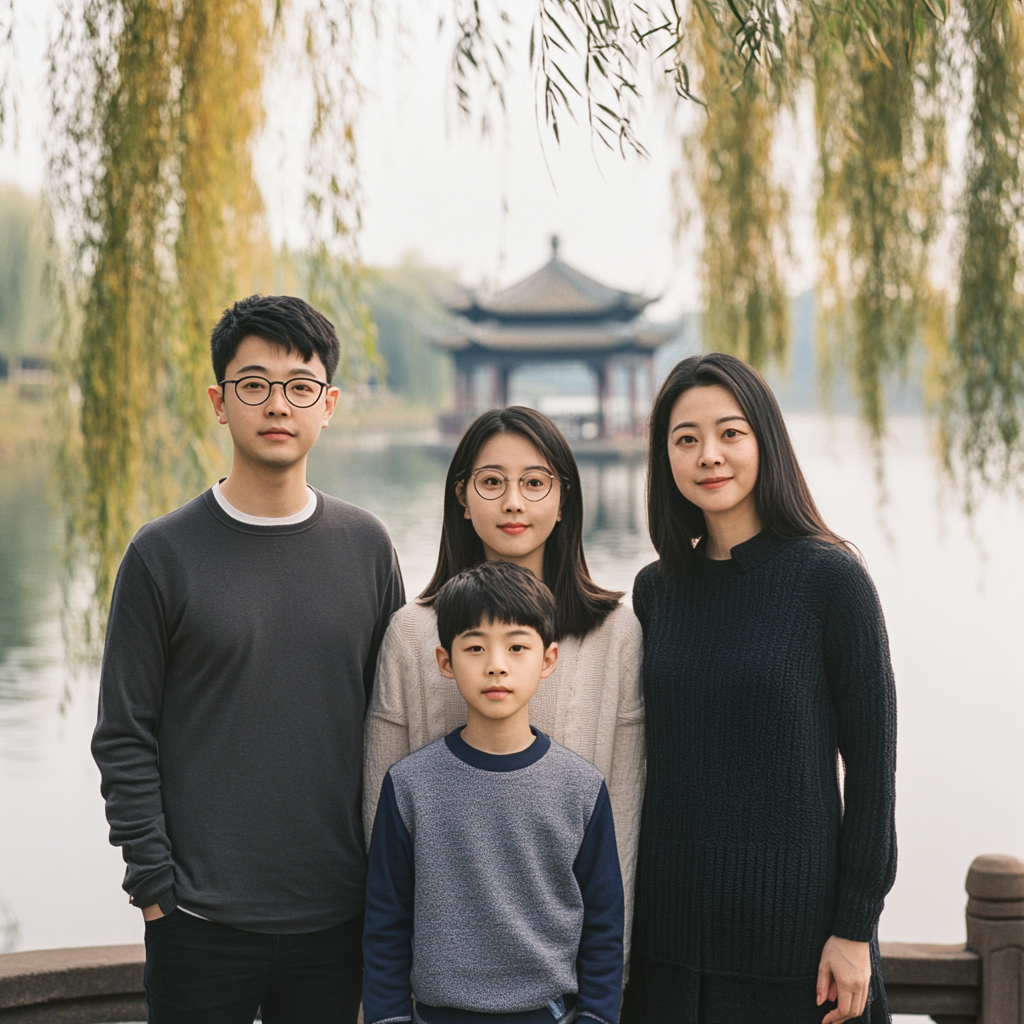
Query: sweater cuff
(166, 900)
(857, 919)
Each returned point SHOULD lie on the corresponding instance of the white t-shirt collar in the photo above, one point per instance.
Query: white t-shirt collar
(244, 517)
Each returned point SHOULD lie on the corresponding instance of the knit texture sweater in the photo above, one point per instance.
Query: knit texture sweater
(591, 704)
(757, 671)
(493, 889)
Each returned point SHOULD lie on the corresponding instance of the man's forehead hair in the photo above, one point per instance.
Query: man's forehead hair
(282, 320)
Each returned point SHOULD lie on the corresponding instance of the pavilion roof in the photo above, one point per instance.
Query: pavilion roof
(585, 338)
(556, 291)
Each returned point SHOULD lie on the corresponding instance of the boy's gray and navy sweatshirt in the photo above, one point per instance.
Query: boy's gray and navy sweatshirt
(493, 890)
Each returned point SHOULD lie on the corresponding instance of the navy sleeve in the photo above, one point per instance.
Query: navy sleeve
(599, 964)
(387, 934)
(124, 744)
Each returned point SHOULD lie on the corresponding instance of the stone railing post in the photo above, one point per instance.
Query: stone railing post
(995, 930)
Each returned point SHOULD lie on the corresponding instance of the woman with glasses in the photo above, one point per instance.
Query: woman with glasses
(513, 494)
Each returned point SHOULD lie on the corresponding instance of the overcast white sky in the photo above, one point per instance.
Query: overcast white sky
(433, 187)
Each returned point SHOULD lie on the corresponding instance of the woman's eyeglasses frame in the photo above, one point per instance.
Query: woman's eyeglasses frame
(525, 493)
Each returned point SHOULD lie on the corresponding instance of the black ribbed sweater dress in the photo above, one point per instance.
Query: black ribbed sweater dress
(757, 670)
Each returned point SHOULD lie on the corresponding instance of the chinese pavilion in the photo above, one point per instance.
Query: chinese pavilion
(556, 315)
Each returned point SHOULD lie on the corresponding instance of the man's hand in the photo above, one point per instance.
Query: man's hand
(843, 977)
(153, 913)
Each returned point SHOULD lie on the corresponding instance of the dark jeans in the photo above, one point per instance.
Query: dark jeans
(661, 993)
(198, 972)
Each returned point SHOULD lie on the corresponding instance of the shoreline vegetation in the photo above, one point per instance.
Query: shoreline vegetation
(26, 420)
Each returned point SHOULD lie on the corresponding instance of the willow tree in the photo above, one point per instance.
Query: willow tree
(158, 221)
(881, 124)
(742, 204)
(983, 373)
(157, 218)
(877, 69)
(153, 196)
(885, 75)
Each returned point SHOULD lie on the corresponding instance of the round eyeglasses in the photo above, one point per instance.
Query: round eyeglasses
(534, 484)
(302, 392)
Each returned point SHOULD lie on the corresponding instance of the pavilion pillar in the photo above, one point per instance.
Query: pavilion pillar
(492, 392)
(633, 419)
(501, 387)
(461, 389)
(604, 379)
(645, 420)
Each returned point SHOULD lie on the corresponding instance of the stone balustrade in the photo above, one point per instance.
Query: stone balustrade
(980, 982)
(87, 985)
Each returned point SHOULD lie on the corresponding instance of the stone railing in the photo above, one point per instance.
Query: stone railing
(980, 982)
(89, 985)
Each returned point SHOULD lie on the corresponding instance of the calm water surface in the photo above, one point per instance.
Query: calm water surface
(953, 594)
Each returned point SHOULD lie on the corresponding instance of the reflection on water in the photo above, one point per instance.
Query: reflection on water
(953, 619)
(615, 530)
(28, 565)
(27, 561)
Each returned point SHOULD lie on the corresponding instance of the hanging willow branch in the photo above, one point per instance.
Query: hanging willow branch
(221, 250)
(333, 199)
(156, 105)
(480, 54)
(585, 51)
(112, 189)
(729, 156)
(983, 411)
(881, 131)
(8, 111)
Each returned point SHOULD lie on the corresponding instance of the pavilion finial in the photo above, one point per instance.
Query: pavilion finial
(554, 247)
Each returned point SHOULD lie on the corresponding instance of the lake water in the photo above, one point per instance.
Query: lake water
(952, 590)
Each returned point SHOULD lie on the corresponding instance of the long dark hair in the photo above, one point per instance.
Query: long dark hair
(581, 604)
(783, 499)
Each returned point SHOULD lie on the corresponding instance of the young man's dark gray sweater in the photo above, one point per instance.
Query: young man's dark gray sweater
(237, 668)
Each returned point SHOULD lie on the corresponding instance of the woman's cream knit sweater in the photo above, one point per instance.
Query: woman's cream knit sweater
(591, 704)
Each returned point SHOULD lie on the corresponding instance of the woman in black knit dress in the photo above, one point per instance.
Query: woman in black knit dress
(766, 673)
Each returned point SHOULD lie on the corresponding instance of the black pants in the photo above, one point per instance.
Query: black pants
(661, 993)
(198, 972)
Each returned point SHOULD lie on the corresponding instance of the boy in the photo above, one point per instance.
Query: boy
(240, 652)
(493, 890)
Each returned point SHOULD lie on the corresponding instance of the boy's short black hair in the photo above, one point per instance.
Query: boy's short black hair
(283, 320)
(498, 592)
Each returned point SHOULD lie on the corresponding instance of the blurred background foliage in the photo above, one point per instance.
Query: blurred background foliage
(153, 217)
(406, 305)
(919, 260)
(23, 318)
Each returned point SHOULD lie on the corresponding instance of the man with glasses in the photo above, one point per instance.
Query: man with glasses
(239, 659)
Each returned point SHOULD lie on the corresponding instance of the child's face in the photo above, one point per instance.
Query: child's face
(497, 667)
